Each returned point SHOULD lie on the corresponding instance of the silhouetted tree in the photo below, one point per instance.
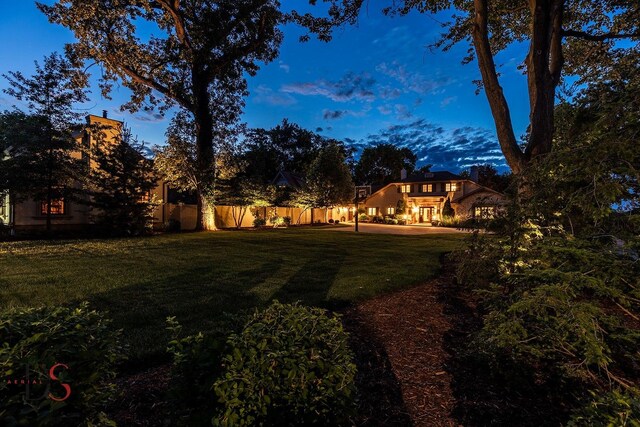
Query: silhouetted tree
(381, 164)
(40, 155)
(120, 186)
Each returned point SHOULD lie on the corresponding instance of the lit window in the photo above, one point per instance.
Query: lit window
(451, 186)
(57, 207)
(405, 188)
(427, 188)
(484, 212)
(372, 211)
(391, 211)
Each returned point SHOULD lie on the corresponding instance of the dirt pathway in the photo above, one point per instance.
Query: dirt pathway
(406, 328)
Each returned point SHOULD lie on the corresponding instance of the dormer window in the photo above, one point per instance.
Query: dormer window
(451, 186)
(427, 188)
(405, 188)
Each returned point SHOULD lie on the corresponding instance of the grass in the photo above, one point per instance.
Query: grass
(198, 277)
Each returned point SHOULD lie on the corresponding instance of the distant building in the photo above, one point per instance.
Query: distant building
(425, 194)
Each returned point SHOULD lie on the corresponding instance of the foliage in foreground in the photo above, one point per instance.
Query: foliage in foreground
(39, 338)
(288, 364)
(558, 312)
(282, 365)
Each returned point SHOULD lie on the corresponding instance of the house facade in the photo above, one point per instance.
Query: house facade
(425, 194)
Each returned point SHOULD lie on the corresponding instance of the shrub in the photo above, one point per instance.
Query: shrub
(259, 222)
(331, 221)
(36, 339)
(611, 409)
(196, 366)
(449, 221)
(286, 220)
(337, 222)
(288, 363)
(172, 226)
(363, 218)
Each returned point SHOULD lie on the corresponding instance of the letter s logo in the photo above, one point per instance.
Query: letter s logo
(67, 387)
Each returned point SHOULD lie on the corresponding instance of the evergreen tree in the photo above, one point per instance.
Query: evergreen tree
(120, 186)
(447, 210)
(39, 144)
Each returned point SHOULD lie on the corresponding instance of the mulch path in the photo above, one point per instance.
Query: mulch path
(399, 340)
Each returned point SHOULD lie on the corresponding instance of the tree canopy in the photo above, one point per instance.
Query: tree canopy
(382, 163)
(195, 57)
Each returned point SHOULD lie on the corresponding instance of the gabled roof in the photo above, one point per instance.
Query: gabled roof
(481, 189)
(432, 177)
(288, 179)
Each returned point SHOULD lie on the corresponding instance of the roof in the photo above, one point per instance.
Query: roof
(432, 177)
(288, 179)
(481, 189)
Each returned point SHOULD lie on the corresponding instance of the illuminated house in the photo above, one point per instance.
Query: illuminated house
(65, 214)
(425, 195)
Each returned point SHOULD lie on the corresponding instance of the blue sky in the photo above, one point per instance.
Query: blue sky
(375, 82)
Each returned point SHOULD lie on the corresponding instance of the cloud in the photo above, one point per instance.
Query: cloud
(149, 117)
(412, 81)
(385, 109)
(318, 129)
(333, 114)
(448, 100)
(387, 92)
(284, 67)
(351, 86)
(447, 149)
(266, 95)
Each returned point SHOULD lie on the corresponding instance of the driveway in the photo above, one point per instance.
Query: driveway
(408, 230)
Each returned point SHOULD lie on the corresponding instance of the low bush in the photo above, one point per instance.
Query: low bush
(337, 222)
(259, 222)
(286, 220)
(35, 340)
(196, 366)
(289, 365)
(364, 218)
(331, 221)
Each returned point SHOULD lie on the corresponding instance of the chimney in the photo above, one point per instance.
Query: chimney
(104, 114)
(403, 174)
(473, 173)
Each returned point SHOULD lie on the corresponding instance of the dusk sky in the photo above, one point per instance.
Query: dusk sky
(375, 82)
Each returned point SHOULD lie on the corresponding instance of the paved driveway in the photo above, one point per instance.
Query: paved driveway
(409, 230)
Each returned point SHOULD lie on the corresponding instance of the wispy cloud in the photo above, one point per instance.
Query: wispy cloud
(266, 95)
(448, 100)
(412, 81)
(351, 86)
(449, 149)
(284, 67)
(339, 114)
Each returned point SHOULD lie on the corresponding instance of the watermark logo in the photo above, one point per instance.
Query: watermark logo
(34, 378)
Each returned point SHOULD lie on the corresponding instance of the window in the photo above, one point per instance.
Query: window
(372, 211)
(391, 211)
(451, 186)
(57, 207)
(427, 188)
(405, 188)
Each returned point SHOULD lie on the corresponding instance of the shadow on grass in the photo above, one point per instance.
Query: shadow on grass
(312, 282)
(141, 310)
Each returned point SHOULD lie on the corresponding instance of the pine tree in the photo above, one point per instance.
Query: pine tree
(120, 186)
(447, 210)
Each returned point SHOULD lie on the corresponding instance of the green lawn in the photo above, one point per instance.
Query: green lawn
(197, 277)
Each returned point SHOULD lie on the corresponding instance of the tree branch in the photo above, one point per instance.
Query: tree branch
(598, 37)
(493, 90)
(173, 11)
(139, 78)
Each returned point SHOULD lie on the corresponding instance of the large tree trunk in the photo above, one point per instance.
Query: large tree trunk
(544, 67)
(204, 150)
